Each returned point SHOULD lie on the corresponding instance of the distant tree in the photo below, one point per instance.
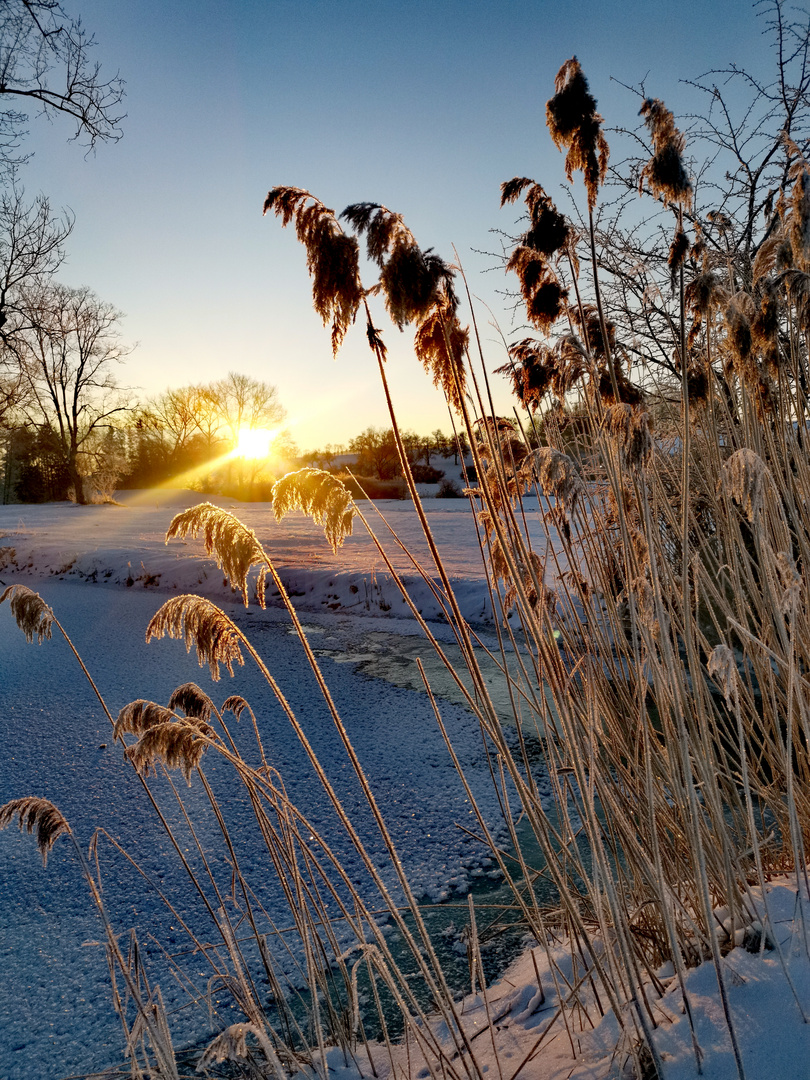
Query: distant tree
(33, 465)
(172, 433)
(66, 354)
(439, 444)
(46, 60)
(240, 401)
(376, 453)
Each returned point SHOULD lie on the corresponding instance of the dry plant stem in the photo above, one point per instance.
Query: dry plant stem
(86, 672)
(598, 296)
(441, 992)
(164, 1055)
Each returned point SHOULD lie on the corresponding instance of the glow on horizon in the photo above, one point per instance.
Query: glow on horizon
(254, 443)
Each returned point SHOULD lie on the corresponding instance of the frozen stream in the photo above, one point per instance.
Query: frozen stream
(55, 1013)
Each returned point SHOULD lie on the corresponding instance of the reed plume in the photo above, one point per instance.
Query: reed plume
(197, 621)
(548, 233)
(332, 256)
(800, 215)
(665, 172)
(235, 704)
(321, 496)
(548, 230)
(31, 612)
(231, 1045)
(234, 545)
(418, 287)
(413, 281)
(744, 476)
(179, 744)
(542, 291)
(193, 701)
(576, 126)
(531, 371)
(139, 716)
(722, 666)
(557, 475)
(441, 343)
(630, 428)
(36, 815)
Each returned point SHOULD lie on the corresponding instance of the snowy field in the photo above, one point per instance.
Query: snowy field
(105, 570)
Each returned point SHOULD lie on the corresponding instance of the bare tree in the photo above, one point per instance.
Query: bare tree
(66, 353)
(240, 401)
(741, 149)
(32, 240)
(46, 60)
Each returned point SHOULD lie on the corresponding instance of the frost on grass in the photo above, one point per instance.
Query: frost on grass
(234, 546)
(197, 621)
(36, 815)
(31, 612)
(321, 496)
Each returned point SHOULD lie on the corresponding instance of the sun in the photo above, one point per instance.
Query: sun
(254, 442)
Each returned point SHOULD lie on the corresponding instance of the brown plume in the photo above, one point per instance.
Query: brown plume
(441, 344)
(179, 744)
(36, 815)
(575, 126)
(139, 716)
(332, 256)
(413, 281)
(193, 701)
(233, 544)
(31, 612)
(197, 621)
(322, 496)
(541, 289)
(665, 172)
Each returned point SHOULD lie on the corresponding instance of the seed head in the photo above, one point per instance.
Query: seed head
(665, 172)
(31, 612)
(575, 126)
(36, 815)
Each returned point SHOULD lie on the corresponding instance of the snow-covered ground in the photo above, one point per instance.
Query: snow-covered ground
(105, 570)
(124, 545)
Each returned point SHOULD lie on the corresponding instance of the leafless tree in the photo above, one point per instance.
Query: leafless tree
(32, 242)
(46, 61)
(742, 150)
(240, 401)
(66, 354)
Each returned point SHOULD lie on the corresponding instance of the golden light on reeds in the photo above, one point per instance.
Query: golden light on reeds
(36, 815)
(234, 546)
(198, 622)
(32, 614)
(321, 496)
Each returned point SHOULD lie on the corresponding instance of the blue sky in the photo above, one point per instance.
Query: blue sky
(424, 105)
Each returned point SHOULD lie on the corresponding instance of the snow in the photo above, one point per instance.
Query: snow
(124, 545)
(105, 570)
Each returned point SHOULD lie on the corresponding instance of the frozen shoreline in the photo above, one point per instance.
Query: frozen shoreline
(125, 545)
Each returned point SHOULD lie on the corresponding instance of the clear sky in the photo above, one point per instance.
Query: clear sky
(424, 105)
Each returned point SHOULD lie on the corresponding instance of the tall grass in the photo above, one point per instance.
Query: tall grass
(655, 653)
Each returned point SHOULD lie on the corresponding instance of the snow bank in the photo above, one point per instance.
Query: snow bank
(124, 545)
